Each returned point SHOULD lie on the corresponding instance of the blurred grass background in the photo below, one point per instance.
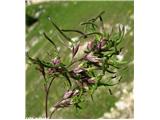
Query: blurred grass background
(69, 14)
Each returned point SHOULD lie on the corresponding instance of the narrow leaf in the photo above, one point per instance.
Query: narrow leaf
(75, 49)
(110, 92)
(45, 35)
(67, 38)
(68, 79)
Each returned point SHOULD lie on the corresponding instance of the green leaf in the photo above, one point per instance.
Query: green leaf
(40, 62)
(99, 77)
(67, 77)
(110, 92)
(77, 106)
(49, 39)
(106, 84)
(44, 63)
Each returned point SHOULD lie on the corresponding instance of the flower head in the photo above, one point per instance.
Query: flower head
(92, 58)
(78, 70)
(68, 94)
(90, 45)
(101, 44)
(88, 80)
(56, 61)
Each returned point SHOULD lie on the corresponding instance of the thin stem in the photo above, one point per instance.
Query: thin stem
(99, 15)
(89, 22)
(78, 31)
(102, 24)
(93, 33)
(46, 99)
(98, 33)
(46, 96)
(52, 113)
(50, 83)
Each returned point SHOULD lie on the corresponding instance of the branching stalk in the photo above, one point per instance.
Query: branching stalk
(47, 89)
